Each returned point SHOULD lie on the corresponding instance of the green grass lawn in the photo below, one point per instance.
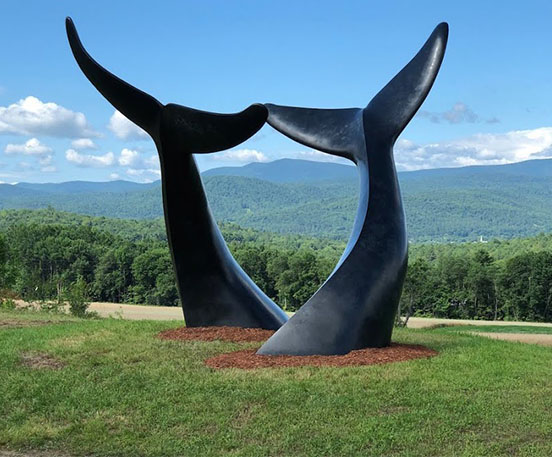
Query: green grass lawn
(123, 392)
(500, 329)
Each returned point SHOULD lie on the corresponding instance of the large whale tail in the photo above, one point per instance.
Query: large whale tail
(336, 131)
(194, 130)
(356, 306)
(389, 112)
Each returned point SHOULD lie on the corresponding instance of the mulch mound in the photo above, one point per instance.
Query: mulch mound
(249, 360)
(232, 334)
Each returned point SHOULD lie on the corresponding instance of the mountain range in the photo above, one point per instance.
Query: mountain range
(320, 199)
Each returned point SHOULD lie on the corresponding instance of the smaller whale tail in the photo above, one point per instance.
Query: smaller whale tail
(333, 131)
(191, 130)
(337, 131)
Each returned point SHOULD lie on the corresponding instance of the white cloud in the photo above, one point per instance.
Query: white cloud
(144, 174)
(30, 148)
(241, 155)
(48, 169)
(30, 116)
(83, 143)
(125, 129)
(143, 171)
(458, 114)
(128, 157)
(131, 158)
(89, 160)
(45, 160)
(114, 176)
(479, 149)
(152, 161)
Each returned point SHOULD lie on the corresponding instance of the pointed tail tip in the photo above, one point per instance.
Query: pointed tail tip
(70, 29)
(442, 30)
(69, 24)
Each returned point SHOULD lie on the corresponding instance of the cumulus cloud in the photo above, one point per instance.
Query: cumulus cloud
(241, 155)
(114, 176)
(479, 149)
(144, 174)
(83, 143)
(32, 147)
(145, 169)
(30, 116)
(128, 157)
(45, 160)
(458, 114)
(125, 129)
(132, 158)
(90, 160)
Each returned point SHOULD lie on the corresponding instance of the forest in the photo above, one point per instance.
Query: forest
(46, 253)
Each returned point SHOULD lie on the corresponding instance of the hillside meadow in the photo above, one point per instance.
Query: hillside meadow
(112, 388)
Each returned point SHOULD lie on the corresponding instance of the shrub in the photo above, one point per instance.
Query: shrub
(77, 297)
(7, 303)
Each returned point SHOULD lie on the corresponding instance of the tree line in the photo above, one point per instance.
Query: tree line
(44, 261)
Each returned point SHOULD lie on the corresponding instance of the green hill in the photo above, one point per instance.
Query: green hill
(457, 204)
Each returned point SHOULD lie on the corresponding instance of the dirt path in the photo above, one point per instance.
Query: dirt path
(138, 312)
(423, 322)
(166, 313)
(531, 338)
(169, 313)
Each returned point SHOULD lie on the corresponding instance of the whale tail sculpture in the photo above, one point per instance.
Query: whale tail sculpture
(214, 290)
(355, 308)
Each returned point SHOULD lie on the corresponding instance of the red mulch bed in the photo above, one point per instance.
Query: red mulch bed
(249, 360)
(232, 334)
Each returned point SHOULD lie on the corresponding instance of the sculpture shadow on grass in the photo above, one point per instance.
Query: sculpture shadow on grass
(355, 308)
(213, 288)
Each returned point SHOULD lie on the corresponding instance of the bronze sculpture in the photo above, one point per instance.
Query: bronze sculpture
(213, 288)
(356, 306)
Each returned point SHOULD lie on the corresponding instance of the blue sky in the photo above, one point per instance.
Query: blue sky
(491, 103)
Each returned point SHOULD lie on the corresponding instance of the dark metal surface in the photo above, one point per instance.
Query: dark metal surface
(355, 308)
(213, 288)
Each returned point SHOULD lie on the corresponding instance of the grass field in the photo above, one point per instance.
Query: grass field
(501, 329)
(117, 390)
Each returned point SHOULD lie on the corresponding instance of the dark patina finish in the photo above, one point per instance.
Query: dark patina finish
(213, 288)
(355, 308)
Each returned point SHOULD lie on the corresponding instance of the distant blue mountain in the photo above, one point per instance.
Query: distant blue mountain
(80, 187)
(291, 170)
(288, 170)
(315, 198)
(535, 168)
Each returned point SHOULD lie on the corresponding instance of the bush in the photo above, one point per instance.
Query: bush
(77, 297)
(7, 303)
(49, 306)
